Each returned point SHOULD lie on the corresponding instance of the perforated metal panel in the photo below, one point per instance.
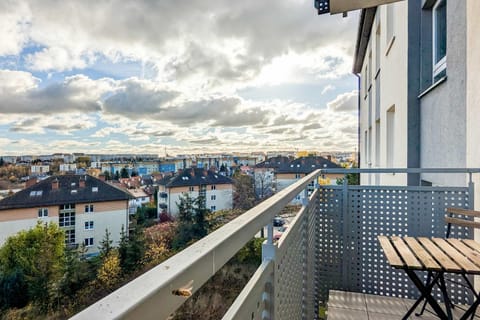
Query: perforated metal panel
(350, 219)
(290, 273)
(330, 241)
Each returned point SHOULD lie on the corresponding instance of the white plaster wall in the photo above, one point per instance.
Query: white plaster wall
(10, 228)
(393, 91)
(111, 220)
(473, 92)
(224, 199)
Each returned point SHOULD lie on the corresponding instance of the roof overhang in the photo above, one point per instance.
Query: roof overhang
(341, 6)
(363, 35)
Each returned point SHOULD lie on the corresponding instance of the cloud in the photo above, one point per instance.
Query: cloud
(14, 26)
(344, 102)
(20, 93)
(64, 124)
(58, 59)
(327, 88)
(137, 98)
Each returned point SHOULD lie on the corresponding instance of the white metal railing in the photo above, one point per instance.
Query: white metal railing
(150, 295)
(290, 280)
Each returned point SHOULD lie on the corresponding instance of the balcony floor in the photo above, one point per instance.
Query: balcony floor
(358, 306)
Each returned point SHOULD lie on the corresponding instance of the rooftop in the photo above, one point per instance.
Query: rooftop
(71, 189)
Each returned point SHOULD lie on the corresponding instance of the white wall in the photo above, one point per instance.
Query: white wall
(10, 228)
(393, 92)
(111, 220)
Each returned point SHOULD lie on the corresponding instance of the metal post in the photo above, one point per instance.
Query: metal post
(268, 253)
(346, 237)
(471, 192)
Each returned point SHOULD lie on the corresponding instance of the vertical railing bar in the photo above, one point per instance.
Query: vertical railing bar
(346, 230)
(270, 233)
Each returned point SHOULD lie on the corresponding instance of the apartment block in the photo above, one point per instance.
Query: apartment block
(217, 190)
(83, 206)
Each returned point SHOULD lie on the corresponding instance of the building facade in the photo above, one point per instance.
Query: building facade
(216, 190)
(83, 206)
(419, 89)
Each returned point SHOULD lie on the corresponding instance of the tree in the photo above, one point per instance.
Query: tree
(131, 249)
(1, 162)
(192, 219)
(105, 246)
(263, 183)
(107, 175)
(244, 195)
(110, 271)
(117, 175)
(124, 173)
(38, 254)
(353, 179)
(77, 272)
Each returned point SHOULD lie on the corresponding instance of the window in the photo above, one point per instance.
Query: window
(377, 143)
(69, 236)
(213, 197)
(42, 212)
(213, 208)
(66, 219)
(439, 39)
(88, 242)
(377, 49)
(88, 208)
(369, 151)
(298, 175)
(390, 136)
(369, 74)
(213, 187)
(88, 225)
(69, 206)
(191, 188)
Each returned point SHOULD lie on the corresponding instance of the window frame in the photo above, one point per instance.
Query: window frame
(88, 242)
(89, 208)
(438, 67)
(43, 212)
(89, 225)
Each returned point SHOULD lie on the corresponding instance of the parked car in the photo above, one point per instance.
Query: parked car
(278, 221)
(279, 232)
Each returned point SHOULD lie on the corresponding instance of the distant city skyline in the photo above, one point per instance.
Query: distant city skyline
(196, 77)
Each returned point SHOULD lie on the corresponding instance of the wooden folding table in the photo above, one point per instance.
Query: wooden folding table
(438, 256)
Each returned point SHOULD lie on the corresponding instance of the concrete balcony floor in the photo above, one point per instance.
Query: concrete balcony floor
(358, 306)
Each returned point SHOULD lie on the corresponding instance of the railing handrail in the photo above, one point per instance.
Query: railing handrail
(400, 170)
(150, 295)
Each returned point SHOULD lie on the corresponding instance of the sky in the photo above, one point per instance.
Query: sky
(191, 76)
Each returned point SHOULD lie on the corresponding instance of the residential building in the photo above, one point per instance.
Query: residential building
(68, 167)
(288, 173)
(264, 175)
(419, 102)
(138, 199)
(216, 189)
(83, 206)
(38, 170)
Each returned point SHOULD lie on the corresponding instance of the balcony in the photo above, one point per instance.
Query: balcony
(331, 244)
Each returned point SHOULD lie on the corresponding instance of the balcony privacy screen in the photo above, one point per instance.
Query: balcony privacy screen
(351, 217)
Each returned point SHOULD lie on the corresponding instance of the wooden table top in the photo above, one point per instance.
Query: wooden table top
(432, 254)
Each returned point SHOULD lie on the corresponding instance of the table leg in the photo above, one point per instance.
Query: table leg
(471, 310)
(426, 293)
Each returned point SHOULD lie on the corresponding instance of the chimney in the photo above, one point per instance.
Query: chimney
(55, 184)
(101, 177)
(180, 171)
(329, 157)
(81, 183)
(30, 182)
